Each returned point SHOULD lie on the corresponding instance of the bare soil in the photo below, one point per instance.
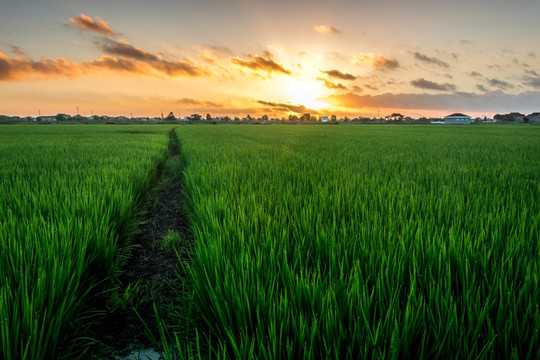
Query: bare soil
(150, 273)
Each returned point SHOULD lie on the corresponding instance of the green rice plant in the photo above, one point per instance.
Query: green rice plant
(69, 198)
(364, 241)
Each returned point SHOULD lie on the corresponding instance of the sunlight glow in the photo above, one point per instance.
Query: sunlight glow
(306, 92)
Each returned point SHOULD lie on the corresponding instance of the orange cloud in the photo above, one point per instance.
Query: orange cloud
(13, 69)
(17, 68)
(325, 29)
(379, 62)
(87, 23)
(266, 64)
(330, 85)
(114, 64)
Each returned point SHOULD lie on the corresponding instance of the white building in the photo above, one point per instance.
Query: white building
(457, 119)
(324, 118)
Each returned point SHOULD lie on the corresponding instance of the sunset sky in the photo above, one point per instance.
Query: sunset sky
(234, 57)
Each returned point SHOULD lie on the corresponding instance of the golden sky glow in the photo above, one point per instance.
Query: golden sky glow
(270, 57)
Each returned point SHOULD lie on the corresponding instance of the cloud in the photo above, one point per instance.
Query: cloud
(87, 23)
(357, 88)
(475, 74)
(500, 84)
(13, 69)
(430, 85)
(481, 88)
(265, 63)
(430, 60)
(17, 68)
(195, 102)
(17, 50)
(170, 67)
(532, 80)
(495, 101)
(330, 85)
(339, 75)
(379, 62)
(114, 64)
(325, 29)
(125, 49)
(299, 109)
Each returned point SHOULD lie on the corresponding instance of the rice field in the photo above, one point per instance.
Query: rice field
(335, 242)
(69, 198)
(364, 241)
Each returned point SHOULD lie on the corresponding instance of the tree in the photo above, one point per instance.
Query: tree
(293, 117)
(265, 117)
(333, 118)
(397, 115)
(208, 117)
(195, 117)
(170, 117)
(61, 117)
(305, 117)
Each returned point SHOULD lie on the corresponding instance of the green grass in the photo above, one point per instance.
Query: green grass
(69, 202)
(364, 241)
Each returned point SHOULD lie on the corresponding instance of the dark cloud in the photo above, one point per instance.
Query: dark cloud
(430, 85)
(339, 75)
(331, 85)
(500, 84)
(325, 29)
(357, 89)
(475, 74)
(169, 67)
(481, 88)
(195, 102)
(260, 63)
(532, 80)
(17, 50)
(466, 42)
(299, 109)
(531, 54)
(495, 101)
(125, 49)
(430, 60)
(87, 23)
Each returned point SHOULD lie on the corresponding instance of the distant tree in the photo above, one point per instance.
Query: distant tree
(195, 117)
(397, 115)
(248, 117)
(170, 117)
(305, 117)
(293, 117)
(333, 118)
(208, 117)
(60, 117)
(264, 117)
(504, 117)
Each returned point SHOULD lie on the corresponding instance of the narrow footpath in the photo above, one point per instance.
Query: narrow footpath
(152, 268)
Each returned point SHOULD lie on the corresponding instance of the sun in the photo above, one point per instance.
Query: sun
(306, 92)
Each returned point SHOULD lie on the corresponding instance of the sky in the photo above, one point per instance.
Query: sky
(274, 57)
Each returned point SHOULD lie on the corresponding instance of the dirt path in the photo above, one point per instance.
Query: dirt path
(151, 265)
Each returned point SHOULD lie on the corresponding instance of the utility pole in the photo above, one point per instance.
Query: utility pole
(77, 109)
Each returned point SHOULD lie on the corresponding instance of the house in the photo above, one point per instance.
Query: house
(534, 117)
(457, 119)
(324, 119)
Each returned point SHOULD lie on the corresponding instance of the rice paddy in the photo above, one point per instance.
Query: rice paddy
(337, 242)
